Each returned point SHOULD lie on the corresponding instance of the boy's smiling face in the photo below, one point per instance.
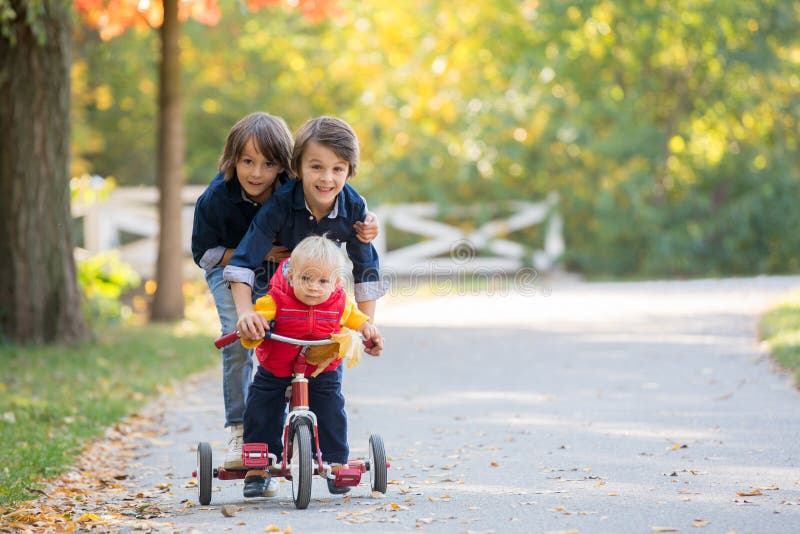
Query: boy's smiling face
(324, 174)
(256, 173)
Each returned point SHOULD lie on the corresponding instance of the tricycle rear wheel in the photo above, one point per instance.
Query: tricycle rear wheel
(204, 472)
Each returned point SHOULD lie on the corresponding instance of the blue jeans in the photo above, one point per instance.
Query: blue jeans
(237, 361)
(266, 412)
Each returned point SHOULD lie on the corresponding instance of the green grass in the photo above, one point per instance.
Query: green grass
(780, 329)
(54, 399)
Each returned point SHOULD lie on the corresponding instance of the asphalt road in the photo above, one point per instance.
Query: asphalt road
(572, 407)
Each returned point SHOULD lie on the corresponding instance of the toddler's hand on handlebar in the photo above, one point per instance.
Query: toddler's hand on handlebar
(252, 325)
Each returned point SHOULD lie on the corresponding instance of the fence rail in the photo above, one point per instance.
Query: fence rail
(436, 240)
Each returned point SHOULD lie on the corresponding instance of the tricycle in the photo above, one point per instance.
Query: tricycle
(301, 457)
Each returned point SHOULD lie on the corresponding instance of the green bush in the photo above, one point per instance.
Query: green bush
(104, 279)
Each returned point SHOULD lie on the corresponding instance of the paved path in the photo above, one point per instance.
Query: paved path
(590, 408)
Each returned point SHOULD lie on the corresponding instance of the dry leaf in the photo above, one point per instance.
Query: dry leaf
(752, 493)
(700, 523)
(271, 528)
(229, 510)
(664, 529)
(494, 464)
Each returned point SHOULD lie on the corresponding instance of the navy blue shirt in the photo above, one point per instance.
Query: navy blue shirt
(286, 220)
(222, 215)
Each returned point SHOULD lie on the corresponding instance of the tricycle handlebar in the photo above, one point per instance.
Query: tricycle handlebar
(230, 337)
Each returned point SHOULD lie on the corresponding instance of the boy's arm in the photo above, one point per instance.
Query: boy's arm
(206, 249)
(368, 284)
(367, 307)
(254, 247)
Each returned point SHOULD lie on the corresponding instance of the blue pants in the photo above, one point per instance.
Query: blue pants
(265, 412)
(237, 361)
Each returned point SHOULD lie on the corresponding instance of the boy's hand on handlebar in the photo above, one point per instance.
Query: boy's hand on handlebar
(373, 337)
(252, 325)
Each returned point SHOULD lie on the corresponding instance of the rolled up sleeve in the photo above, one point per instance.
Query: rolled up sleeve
(369, 290)
(232, 273)
(211, 258)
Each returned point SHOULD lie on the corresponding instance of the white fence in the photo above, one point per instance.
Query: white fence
(128, 221)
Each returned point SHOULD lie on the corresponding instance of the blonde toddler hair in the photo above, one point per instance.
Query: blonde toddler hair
(322, 252)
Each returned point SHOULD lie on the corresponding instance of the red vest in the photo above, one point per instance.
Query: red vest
(298, 320)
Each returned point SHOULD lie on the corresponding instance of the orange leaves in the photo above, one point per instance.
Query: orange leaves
(113, 17)
(313, 10)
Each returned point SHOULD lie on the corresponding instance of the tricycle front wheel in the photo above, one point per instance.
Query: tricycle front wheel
(377, 464)
(301, 467)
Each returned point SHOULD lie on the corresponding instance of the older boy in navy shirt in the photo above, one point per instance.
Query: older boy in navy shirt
(325, 155)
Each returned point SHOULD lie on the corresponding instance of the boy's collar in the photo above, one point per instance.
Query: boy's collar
(333, 213)
(339, 209)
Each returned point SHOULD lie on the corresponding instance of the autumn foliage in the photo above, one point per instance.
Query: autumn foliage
(113, 17)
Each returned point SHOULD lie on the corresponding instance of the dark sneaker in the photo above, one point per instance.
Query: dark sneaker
(334, 489)
(255, 484)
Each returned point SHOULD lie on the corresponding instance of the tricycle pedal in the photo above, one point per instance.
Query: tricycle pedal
(255, 455)
(347, 477)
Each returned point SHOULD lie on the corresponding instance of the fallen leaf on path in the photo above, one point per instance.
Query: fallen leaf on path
(664, 529)
(751, 493)
(700, 523)
(229, 510)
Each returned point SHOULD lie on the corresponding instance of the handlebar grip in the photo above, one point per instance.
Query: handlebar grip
(227, 339)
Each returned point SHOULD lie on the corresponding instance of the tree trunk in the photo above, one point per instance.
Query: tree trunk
(168, 300)
(39, 297)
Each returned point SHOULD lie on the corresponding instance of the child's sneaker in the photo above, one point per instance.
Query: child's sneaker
(258, 483)
(272, 488)
(336, 490)
(233, 454)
